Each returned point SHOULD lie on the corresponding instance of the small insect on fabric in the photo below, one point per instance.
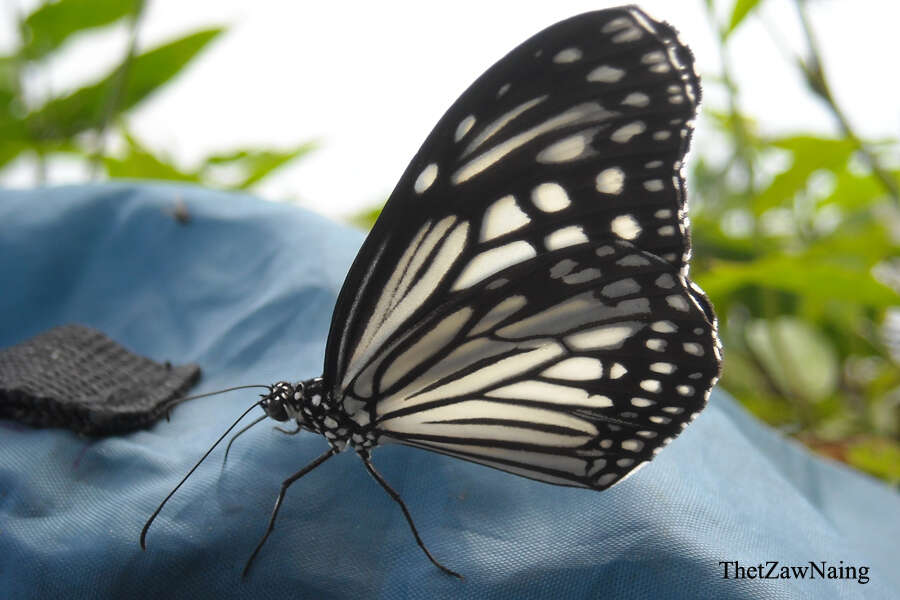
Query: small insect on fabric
(523, 302)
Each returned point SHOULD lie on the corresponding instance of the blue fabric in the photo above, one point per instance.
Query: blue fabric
(246, 289)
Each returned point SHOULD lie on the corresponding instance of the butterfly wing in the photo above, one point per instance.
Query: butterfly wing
(554, 182)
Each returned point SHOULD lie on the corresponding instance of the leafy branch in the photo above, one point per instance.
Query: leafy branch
(78, 124)
(815, 77)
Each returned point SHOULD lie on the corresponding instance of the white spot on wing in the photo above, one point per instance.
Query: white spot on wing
(633, 260)
(665, 281)
(426, 178)
(649, 385)
(606, 336)
(617, 371)
(567, 236)
(653, 185)
(568, 55)
(626, 227)
(666, 230)
(632, 445)
(651, 58)
(607, 478)
(638, 99)
(677, 302)
(605, 74)
(491, 261)
(624, 133)
(611, 181)
(550, 197)
(617, 24)
(629, 35)
(656, 344)
(502, 217)
(578, 368)
(567, 149)
(588, 274)
(664, 327)
(693, 348)
(463, 128)
(621, 287)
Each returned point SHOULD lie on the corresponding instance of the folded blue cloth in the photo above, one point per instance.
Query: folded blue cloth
(245, 289)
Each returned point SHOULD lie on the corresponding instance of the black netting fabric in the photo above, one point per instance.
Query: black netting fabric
(77, 378)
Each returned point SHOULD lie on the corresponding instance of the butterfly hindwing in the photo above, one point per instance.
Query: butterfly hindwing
(549, 201)
(546, 373)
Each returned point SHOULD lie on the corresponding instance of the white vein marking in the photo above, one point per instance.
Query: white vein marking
(491, 261)
(587, 112)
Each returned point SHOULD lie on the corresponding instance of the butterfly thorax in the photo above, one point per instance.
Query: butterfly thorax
(312, 406)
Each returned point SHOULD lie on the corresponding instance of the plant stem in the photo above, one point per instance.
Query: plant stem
(817, 81)
(117, 91)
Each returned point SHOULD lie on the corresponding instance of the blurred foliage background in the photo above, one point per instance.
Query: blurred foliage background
(81, 124)
(795, 238)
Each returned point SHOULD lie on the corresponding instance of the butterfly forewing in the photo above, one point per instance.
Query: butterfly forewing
(523, 299)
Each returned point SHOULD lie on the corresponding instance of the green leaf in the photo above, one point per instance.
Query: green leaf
(54, 22)
(14, 138)
(856, 245)
(810, 154)
(140, 163)
(251, 166)
(811, 279)
(740, 11)
(878, 456)
(797, 357)
(8, 85)
(854, 191)
(85, 108)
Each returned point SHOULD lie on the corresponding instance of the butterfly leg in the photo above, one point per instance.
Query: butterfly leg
(396, 497)
(284, 486)
(235, 436)
(288, 431)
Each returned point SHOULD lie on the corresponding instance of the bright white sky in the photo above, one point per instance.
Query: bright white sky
(369, 80)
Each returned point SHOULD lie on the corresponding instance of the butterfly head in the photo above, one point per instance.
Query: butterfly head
(304, 402)
(283, 401)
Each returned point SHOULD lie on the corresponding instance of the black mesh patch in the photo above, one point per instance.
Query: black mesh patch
(77, 378)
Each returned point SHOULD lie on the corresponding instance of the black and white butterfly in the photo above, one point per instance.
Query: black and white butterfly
(523, 301)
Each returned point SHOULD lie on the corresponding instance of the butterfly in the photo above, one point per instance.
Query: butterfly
(523, 300)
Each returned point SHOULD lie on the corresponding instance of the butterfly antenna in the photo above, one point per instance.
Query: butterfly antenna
(231, 389)
(194, 468)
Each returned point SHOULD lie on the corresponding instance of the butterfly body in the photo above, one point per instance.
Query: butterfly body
(311, 405)
(523, 301)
